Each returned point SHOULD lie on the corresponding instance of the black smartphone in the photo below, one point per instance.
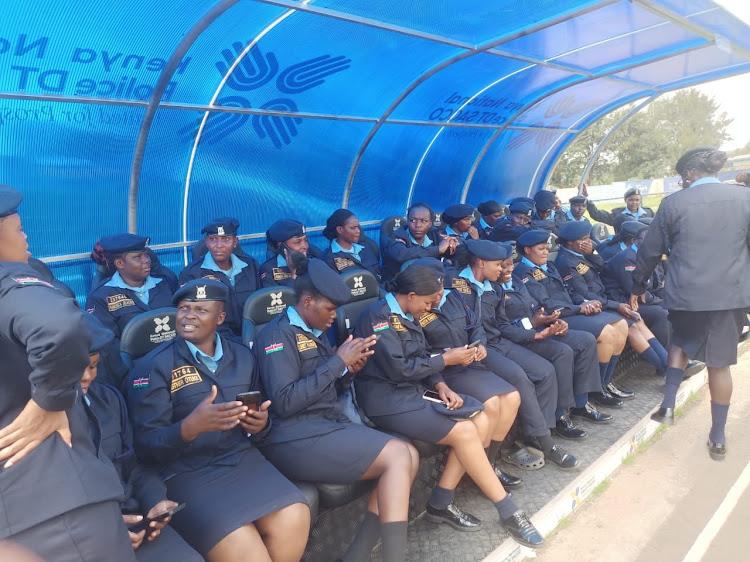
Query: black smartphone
(145, 522)
(474, 344)
(432, 396)
(252, 399)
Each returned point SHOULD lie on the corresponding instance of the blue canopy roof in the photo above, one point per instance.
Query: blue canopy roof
(158, 116)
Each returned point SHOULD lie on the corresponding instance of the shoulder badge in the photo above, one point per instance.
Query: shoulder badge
(118, 301)
(380, 327)
(461, 285)
(280, 275)
(29, 280)
(184, 376)
(211, 276)
(400, 240)
(427, 319)
(395, 322)
(538, 274)
(304, 343)
(582, 268)
(525, 280)
(141, 382)
(568, 277)
(629, 268)
(343, 263)
(273, 348)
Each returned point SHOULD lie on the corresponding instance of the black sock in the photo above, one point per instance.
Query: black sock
(441, 497)
(492, 451)
(546, 443)
(365, 539)
(394, 541)
(672, 380)
(611, 369)
(506, 507)
(719, 421)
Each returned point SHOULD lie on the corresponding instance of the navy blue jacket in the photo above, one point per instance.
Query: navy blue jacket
(618, 277)
(506, 231)
(579, 273)
(369, 258)
(400, 249)
(546, 287)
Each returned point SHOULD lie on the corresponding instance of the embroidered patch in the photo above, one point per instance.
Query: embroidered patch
(568, 277)
(304, 343)
(184, 376)
(142, 382)
(118, 301)
(427, 319)
(279, 274)
(28, 280)
(401, 240)
(273, 348)
(380, 327)
(343, 263)
(396, 324)
(210, 276)
(538, 275)
(525, 280)
(461, 285)
(629, 268)
(582, 268)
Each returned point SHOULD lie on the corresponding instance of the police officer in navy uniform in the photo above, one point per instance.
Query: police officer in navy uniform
(189, 423)
(312, 439)
(580, 267)
(512, 226)
(705, 229)
(490, 212)
(222, 262)
(418, 239)
(632, 211)
(348, 248)
(145, 493)
(577, 209)
(287, 239)
(59, 495)
(546, 286)
(544, 211)
(391, 390)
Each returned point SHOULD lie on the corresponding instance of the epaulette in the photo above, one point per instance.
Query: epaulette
(427, 319)
(461, 285)
(395, 322)
(538, 274)
(582, 268)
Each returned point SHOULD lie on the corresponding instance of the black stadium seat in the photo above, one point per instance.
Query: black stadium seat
(388, 227)
(261, 307)
(599, 232)
(145, 332)
(365, 290)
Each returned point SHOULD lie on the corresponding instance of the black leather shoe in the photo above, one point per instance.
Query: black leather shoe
(567, 430)
(717, 451)
(621, 393)
(454, 517)
(693, 368)
(522, 530)
(562, 458)
(508, 481)
(604, 398)
(588, 412)
(664, 415)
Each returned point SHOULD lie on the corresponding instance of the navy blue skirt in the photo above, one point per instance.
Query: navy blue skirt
(709, 336)
(593, 324)
(479, 383)
(424, 424)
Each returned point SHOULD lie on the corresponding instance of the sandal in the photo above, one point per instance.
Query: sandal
(524, 459)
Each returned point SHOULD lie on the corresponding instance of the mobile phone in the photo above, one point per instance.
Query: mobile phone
(474, 344)
(432, 396)
(146, 522)
(558, 310)
(252, 399)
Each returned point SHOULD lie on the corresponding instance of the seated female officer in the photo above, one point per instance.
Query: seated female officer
(312, 439)
(548, 289)
(238, 272)
(491, 212)
(129, 290)
(617, 277)
(580, 268)
(288, 240)
(145, 493)
(391, 389)
(572, 352)
(544, 211)
(531, 374)
(345, 251)
(418, 239)
(188, 423)
(451, 324)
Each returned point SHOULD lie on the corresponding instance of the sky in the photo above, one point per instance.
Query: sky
(732, 93)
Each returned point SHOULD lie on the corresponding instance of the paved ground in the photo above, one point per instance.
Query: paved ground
(666, 504)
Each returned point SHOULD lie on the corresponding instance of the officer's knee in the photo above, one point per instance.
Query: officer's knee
(463, 432)
(510, 401)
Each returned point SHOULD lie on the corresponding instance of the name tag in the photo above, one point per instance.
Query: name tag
(427, 319)
(343, 263)
(116, 302)
(304, 343)
(184, 376)
(461, 285)
(280, 275)
(526, 323)
(396, 324)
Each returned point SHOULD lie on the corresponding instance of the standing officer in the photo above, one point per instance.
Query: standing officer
(59, 496)
(287, 239)
(490, 212)
(707, 290)
(631, 212)
(238, 272)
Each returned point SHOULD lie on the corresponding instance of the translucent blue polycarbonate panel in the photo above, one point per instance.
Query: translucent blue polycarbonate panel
(471, 21)
(72, 164)
(91, 48)
(483, 88)
(445, 162)
(725, 26)
(77, 274)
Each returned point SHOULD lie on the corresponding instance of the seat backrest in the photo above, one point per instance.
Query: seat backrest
(599, 232)
(388, 227)
(261, 307)
(364, 289)
(146, 331)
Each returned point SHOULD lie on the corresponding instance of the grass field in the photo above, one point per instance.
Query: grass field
(651, 201)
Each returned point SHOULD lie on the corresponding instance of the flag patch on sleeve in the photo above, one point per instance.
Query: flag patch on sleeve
(380, 327)
(273, 348)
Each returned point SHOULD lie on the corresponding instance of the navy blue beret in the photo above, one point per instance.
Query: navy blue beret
(521, 205)
(125, 242)
(327, 282)
(10, 199)
(455, 213)
(489, 208)
(545, 200)
(578, 199)
(433, 263)
(574, 230)
(632, 228)
(100, 336)
(632, 191)
(199, 290)
(284, 229)
(488, 250)
(533, 237)
(223, 226)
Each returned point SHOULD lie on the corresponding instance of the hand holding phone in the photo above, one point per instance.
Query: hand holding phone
(145, 523)
(252, 399)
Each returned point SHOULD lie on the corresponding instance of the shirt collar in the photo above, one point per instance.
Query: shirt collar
(141, 292)
(296, 320)
(572, 218)
(532, 265)
(390, 298)
(572, 252)
(280, 261)
(483, 223)
(426, 241)
(707, 179)
(237, 266)
(636, 215)
(481, 288)
(508, 286)
(450, 232)
(355, 249)
(210, 361)
(446, 292)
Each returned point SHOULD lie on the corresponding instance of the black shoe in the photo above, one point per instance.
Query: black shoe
(454, 517)
(588, 412)
(604, 398)
(664, 415)
(717, 451)
(564, 428)
(621, 393)
(693, 368)
(562, 458)
(508, 481)
(523, 530)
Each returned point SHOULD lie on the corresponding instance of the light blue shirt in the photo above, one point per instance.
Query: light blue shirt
(390, 298)
(210, 361)
(446, 292)
(450, 232)
(280, 261)
(140, 292)
(354, 250)
(572, 218)
(483, 224)
(572, 252)
(531, 264)
(481, 288)
(426, 242)
(636, 215)
(633, 247)
(707, 179)
(237, 266)
(296, 320)
(508, 286)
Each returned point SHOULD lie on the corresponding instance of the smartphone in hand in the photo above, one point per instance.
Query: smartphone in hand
(252, 399)
(146, 522)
